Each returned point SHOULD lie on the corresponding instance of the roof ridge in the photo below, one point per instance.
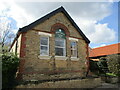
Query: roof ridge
(106, 46)
(60, 9)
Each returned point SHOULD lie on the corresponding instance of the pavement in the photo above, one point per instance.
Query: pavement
(109, 86)
(0, 81)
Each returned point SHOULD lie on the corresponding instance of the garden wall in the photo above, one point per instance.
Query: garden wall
(79, 83)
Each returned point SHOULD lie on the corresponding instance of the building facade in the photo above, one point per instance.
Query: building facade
(51, 47)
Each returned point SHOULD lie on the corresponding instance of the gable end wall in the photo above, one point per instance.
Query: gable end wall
(32, 67)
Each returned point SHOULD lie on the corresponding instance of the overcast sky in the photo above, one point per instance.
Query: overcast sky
(97, 20)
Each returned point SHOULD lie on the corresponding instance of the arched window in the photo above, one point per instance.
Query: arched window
(60, 42)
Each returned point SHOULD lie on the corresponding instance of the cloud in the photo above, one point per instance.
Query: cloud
(103, 34)
(96, 32)
(87, 10)
(103, 45)
(11, 9)
(85, 14)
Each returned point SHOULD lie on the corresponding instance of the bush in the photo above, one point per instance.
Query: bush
(114, 64)
(102, 63)
(93, 66)
(99, 67)
(9, 67)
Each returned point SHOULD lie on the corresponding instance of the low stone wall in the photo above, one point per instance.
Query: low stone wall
(78, 83)
(110, 79)
(53, 76)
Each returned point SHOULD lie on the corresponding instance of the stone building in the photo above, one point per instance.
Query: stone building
(51, 47)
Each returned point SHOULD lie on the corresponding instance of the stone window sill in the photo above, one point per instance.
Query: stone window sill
(60, 58)
(49, 57)
(74, 58)
(44, 57)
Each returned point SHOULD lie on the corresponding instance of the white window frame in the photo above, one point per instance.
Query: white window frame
(64, 48)
(44, 45)
(74, 50)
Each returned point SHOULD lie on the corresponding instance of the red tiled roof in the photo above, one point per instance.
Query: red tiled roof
(105, 50)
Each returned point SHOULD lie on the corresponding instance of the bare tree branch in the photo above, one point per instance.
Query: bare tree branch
(6, 32)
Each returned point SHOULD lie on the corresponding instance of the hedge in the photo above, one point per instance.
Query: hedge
(9, 67)
(114, 64)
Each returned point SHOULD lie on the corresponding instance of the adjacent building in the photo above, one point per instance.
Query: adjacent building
(96, 53)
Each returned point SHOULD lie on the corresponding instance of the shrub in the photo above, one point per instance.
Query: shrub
(102, 64)
(114, 64)
(93, 66)
(99, 67)
(9, 67)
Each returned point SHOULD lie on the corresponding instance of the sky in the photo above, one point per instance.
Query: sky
(97, 20)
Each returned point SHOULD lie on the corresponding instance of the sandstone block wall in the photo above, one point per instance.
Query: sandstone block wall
(36, 68)
(84, 83)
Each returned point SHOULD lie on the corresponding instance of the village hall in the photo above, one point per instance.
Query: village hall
(51, 47)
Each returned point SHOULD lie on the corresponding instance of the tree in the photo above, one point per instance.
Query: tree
(102, 64)
(113, 62)
(6, 33)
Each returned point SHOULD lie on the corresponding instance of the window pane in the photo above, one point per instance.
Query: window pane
(73, 45)
(73, 53)
(59, 51)
(44, 41)
(59, 43)
(43, 50)
(45, 38)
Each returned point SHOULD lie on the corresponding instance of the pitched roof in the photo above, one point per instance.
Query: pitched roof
(61, 9)
(105, 50)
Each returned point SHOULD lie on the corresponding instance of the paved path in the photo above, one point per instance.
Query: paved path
(0, 81)
(108, 85)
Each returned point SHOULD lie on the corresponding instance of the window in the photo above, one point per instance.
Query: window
(73, 49)
(44, 46)
(60, 46)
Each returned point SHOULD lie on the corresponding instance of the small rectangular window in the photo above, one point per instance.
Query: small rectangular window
(44, 46)
(73, 49)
